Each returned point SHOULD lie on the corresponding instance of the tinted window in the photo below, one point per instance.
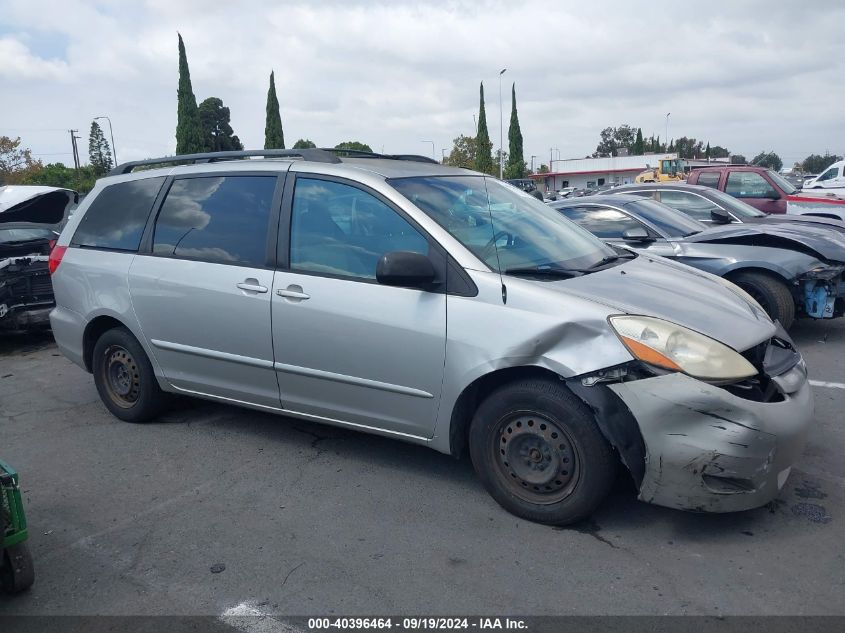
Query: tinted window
(747, 184)
(829, 174)
(116, 218)
(222, 219)
(341, 230)
(602, 221)
(690, 204)
(25, 235)
(708, 179)
(668, 221)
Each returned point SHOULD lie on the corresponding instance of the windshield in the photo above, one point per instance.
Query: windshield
(781, 182)
(667, 220)
(671, 167)
(502, 226)
(737, 207)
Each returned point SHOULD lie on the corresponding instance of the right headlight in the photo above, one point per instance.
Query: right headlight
(676, 348)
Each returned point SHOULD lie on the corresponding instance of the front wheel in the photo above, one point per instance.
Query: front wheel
(539, 453)
(16, 571)
(772, 294)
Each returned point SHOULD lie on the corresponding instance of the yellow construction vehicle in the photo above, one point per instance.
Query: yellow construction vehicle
(667, 170)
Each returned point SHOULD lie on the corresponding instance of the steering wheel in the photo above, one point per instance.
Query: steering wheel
(490, 247)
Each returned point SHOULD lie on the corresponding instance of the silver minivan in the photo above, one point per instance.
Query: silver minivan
(435, 305)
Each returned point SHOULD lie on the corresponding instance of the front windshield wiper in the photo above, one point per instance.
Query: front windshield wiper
(609, 259)
(546, 271)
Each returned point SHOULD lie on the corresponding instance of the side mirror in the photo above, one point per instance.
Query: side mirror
(638, 234)
(720, 216)
(406, 269)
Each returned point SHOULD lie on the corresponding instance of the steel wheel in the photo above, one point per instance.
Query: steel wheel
(121, 376)
(540, 461)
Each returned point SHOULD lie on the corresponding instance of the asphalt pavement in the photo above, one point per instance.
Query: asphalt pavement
(215, 508)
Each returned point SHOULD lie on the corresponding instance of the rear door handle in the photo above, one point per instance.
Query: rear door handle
(293, 292)
(252, 285)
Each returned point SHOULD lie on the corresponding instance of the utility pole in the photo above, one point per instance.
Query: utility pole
(533, 156)
(73, 138)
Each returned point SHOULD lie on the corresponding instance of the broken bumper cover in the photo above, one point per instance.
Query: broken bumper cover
(24, 317)
(711, 451)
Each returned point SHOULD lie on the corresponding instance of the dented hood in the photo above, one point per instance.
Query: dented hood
(818, 242)
(654, 286)
(35, 205)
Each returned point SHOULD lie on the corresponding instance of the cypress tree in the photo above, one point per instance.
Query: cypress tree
(516, 161)
(483, 145)
(189, 134)
(707, 151)
(274, 137)
(639, 148)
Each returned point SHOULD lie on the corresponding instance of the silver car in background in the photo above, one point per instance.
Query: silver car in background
(435, 305)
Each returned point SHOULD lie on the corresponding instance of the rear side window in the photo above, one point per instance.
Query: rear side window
(601, 221)
(749, 184)
(116, 218)
(220, 219)
(708, 179)
(691, 204)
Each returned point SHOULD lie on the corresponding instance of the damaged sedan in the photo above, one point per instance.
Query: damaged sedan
(30, 220)
(790, 270)
(434, 305)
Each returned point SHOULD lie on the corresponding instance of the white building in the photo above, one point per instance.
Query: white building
(588, 173)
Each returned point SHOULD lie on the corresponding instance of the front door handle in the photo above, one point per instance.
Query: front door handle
(293, 292)
(251, 285)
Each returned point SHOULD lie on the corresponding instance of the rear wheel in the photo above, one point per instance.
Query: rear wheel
(538, 451)
(125, 379)
(772, 294)
(16, 571)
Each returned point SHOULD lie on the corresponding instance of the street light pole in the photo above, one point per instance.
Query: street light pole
(432, 148)
(111, 134)
(501, 127)
(667, 130)
(443, 155)
(533, 156)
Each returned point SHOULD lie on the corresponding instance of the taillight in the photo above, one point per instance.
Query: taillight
(52, 244)
(56, 258)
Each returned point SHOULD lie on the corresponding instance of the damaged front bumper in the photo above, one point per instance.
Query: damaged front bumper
(707, 449)
(26, 293)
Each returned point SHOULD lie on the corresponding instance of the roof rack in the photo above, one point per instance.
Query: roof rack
(315, 155)
(357, 153)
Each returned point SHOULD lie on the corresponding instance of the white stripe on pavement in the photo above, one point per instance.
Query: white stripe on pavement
(250, 619)
(832, 385)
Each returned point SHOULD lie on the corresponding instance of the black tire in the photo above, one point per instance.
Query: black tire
(16, 571)
(539, 453)
(771, 293)
(125, 379)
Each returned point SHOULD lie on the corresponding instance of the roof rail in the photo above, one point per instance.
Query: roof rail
(357, 153)
(315, 155)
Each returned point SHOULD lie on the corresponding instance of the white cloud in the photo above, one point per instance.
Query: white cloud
(746, 75)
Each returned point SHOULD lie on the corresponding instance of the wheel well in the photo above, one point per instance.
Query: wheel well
(475, 393)
(760, 271)
(93, 331)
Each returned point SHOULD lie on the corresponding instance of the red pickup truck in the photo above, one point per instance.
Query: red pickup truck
(768, 191)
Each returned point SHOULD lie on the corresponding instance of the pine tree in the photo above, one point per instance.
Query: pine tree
(707, 151)
(639, 148)
(274, 137)
(189, 136)
(516, 162)
(218, 133)
(99, 152)
(484, 147)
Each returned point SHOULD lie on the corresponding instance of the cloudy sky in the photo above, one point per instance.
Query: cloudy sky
(745, 75)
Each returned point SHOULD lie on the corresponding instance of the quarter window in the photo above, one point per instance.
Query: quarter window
(691, 204)
(747, 184)
(708, 179)
(338, 229)
(601, 221)
(117, 216)
(216, 219)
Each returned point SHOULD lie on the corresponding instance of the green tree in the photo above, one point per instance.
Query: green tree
(483, 145)
(57, 175)
(707, 151)
(218, 133)
(717, 151)
(816, 163)
(189, 136)
(738, 159)
(356, 146)
(544, 169)
(767, 159)
(639, 147)
(516, 161)
(99, 152)
(463, 152)
(16, 163)
(304, 143)
(274, 136)
(611, 139)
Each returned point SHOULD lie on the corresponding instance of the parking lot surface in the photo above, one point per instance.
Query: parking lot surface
(214, 507)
